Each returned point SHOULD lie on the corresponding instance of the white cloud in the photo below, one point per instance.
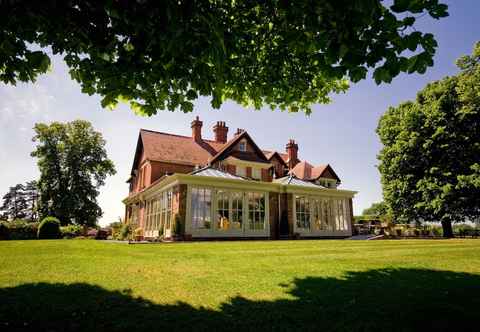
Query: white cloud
(24, 103)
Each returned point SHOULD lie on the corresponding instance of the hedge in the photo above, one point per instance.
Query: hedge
(18, 230)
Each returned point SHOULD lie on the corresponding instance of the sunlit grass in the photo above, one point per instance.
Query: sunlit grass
(210, 274)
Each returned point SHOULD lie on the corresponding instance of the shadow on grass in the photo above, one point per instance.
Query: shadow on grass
(387, 299)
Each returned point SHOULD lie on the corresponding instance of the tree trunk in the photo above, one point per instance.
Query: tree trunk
(447, 229)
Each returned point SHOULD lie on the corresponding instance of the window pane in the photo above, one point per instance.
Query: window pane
(223, 215)
(237, 213)
(256, 211)
(201, 208)
(302, 209)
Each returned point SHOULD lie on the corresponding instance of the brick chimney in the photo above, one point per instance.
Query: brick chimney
(292, 151)
(197, 129)
(221, 131)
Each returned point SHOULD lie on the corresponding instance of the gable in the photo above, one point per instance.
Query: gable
(277, 159)
(251, 152)
(306, 171)
(328, 174)
(139, 155)
(325, 171)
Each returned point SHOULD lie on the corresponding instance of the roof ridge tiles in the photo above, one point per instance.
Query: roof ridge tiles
(177, 135)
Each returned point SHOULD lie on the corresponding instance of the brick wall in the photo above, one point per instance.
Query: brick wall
(279, 167)
(266, 175)
(274, 215)
(158, 169)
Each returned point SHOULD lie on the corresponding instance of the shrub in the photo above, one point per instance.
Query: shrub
(125, 232)
(21, 229)
(437, 231)
(92, 233)
(115, 229)
(102, 234)
(49, 228)
(4, 231)
(71, 231)
(462, 229)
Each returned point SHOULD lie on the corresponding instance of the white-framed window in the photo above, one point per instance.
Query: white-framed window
(242, 146)
(223, 210)
(318, 215)
(237, 210)
(162, 212)
(201, 208)
(216, 211)
(134, 216)
(229, 210)
(153, 213)
(257, 173)
(156, 213)
(148, 215)
(166, 209)
(241, 171)
(302, 212)
(168, 223)
(256, 211)
(331, 214)
(341, 215)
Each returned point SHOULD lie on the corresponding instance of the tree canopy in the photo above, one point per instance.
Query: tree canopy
(430, 162)
(379, 209)
(73, 165)
(20, 202)
(14, 205)
(158, 55)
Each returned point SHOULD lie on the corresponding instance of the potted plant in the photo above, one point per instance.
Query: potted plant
(138, 234)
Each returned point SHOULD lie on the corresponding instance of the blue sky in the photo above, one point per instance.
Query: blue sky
(341, 133)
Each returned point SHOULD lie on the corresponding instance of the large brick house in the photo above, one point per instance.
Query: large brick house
(196, 188)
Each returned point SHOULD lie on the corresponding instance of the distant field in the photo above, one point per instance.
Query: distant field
(273, 285)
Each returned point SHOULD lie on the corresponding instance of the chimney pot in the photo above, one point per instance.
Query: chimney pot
(220, 131)
(197, 129)
(292, 151)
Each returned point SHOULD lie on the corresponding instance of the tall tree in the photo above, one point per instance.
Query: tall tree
(31, 198)
(160, 55)
(430, 162)
(73, 165)
(14, 203)
(376, 209)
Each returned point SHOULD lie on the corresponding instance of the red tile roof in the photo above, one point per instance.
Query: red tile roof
(303, 170)
(270, 154)
(160, 146)
(306, 171)
(177, 149)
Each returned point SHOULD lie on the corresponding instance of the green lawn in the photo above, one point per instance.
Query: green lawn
(72, 285)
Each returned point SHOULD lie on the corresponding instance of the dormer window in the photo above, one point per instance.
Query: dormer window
(242, 146)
